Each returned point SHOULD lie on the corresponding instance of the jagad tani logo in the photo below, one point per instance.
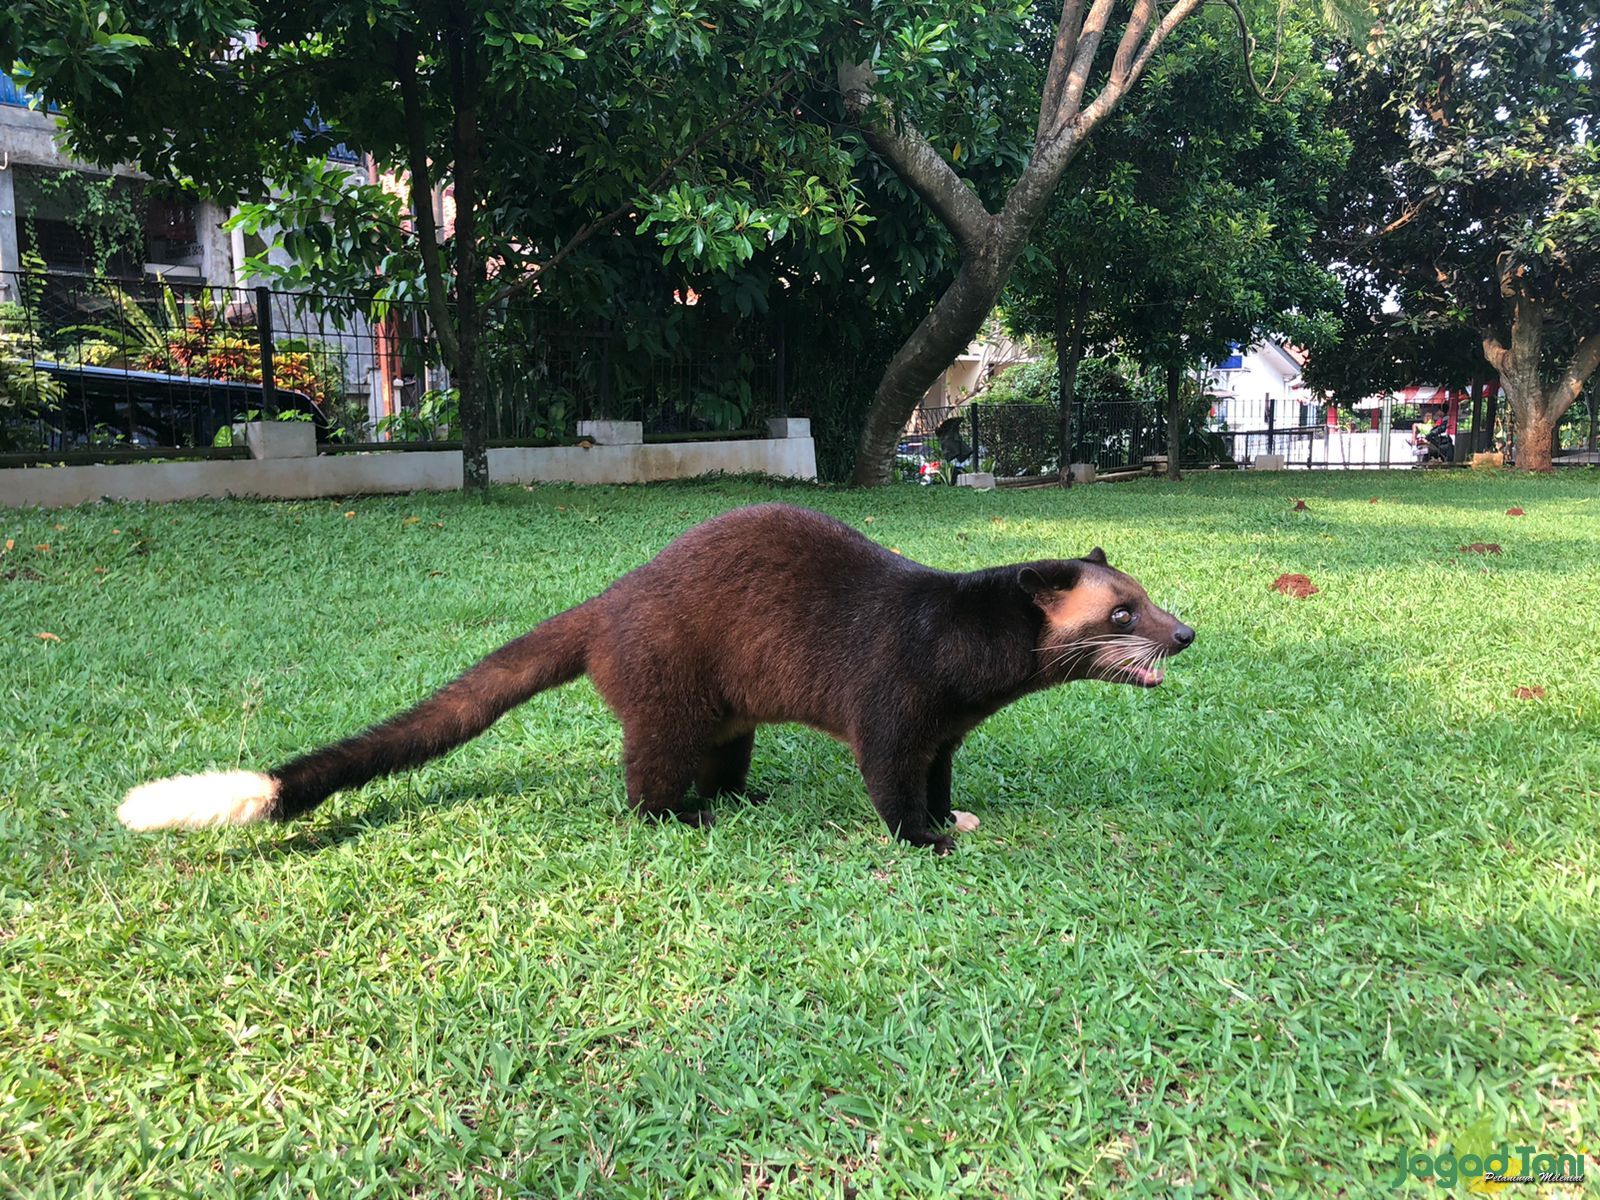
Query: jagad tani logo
(1487, 1166)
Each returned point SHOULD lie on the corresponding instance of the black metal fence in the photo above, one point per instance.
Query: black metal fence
(1023, 440)
(95, 369)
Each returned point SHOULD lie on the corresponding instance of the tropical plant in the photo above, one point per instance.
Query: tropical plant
(436, 415)
(687, 123)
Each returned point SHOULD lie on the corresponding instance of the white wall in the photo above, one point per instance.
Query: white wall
(400, 471)
(1265, 370)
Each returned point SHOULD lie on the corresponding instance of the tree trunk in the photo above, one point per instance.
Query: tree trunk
(1534, 430)
(1175, 421)
(943, 334)
(1069, 353)
(1536, 409)
(991, 244)
(469, 263)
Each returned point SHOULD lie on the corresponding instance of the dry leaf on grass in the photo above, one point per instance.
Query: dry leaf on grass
(1298, 586)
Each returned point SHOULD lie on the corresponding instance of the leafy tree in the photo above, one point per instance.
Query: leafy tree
(558, 126)
(1473, 202)
(929, 108)
(1187, 225)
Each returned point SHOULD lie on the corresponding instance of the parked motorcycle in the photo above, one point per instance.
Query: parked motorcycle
(1441, 447)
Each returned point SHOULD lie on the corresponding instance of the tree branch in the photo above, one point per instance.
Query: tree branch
(1411, 213)
(1061, 53)
(1583, 364)
(1094, 28)
(1249, 41)
(1495, 353)
(1128, 66)
(915, 160)
(1138, 21)
(422, 196)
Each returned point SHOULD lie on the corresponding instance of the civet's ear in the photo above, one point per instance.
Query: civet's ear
(1096, 556)
(1036, 585)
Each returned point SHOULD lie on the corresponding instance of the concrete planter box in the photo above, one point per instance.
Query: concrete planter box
(1081, 472)
(1268, 462)
(976, 479)
(281, 439)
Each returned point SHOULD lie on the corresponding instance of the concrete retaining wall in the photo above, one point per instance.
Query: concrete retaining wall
(401, 471)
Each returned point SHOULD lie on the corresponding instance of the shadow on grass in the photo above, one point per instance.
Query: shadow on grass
(308, 835)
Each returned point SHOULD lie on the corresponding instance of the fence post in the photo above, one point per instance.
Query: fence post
(269, 380)
(977, 458)
(1272, 413)
(783, 368)
(1476, 443)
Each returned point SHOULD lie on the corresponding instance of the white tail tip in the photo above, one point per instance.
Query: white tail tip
(200, 801)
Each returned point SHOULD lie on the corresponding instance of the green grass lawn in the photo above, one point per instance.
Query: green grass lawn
(1332, 891)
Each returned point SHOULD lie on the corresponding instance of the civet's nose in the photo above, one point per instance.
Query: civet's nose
(1183, 635)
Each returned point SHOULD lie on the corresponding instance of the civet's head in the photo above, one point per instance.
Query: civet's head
(1099, 623)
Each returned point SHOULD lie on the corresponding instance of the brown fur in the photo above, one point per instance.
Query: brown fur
(770, 614)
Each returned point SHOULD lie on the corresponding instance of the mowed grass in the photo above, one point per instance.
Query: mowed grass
(1330, 892)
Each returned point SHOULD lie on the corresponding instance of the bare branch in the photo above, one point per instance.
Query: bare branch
(1123, 80)
(1583, 364)
(1495, 353)
(1127, 48)
(915, 160)
(1094, 28)
(1060, 54)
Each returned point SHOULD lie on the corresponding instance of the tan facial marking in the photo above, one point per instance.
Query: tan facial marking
(1080, 607)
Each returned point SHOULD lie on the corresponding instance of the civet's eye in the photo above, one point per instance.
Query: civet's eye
(1122, 618)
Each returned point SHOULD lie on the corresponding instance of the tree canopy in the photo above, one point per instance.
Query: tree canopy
(1187, 225)
(559, 127)
(1472, 202)
(1077, 65)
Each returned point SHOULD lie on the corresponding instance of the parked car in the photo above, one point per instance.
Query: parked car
(112, 405)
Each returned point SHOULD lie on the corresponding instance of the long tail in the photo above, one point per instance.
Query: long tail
(553, 653)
